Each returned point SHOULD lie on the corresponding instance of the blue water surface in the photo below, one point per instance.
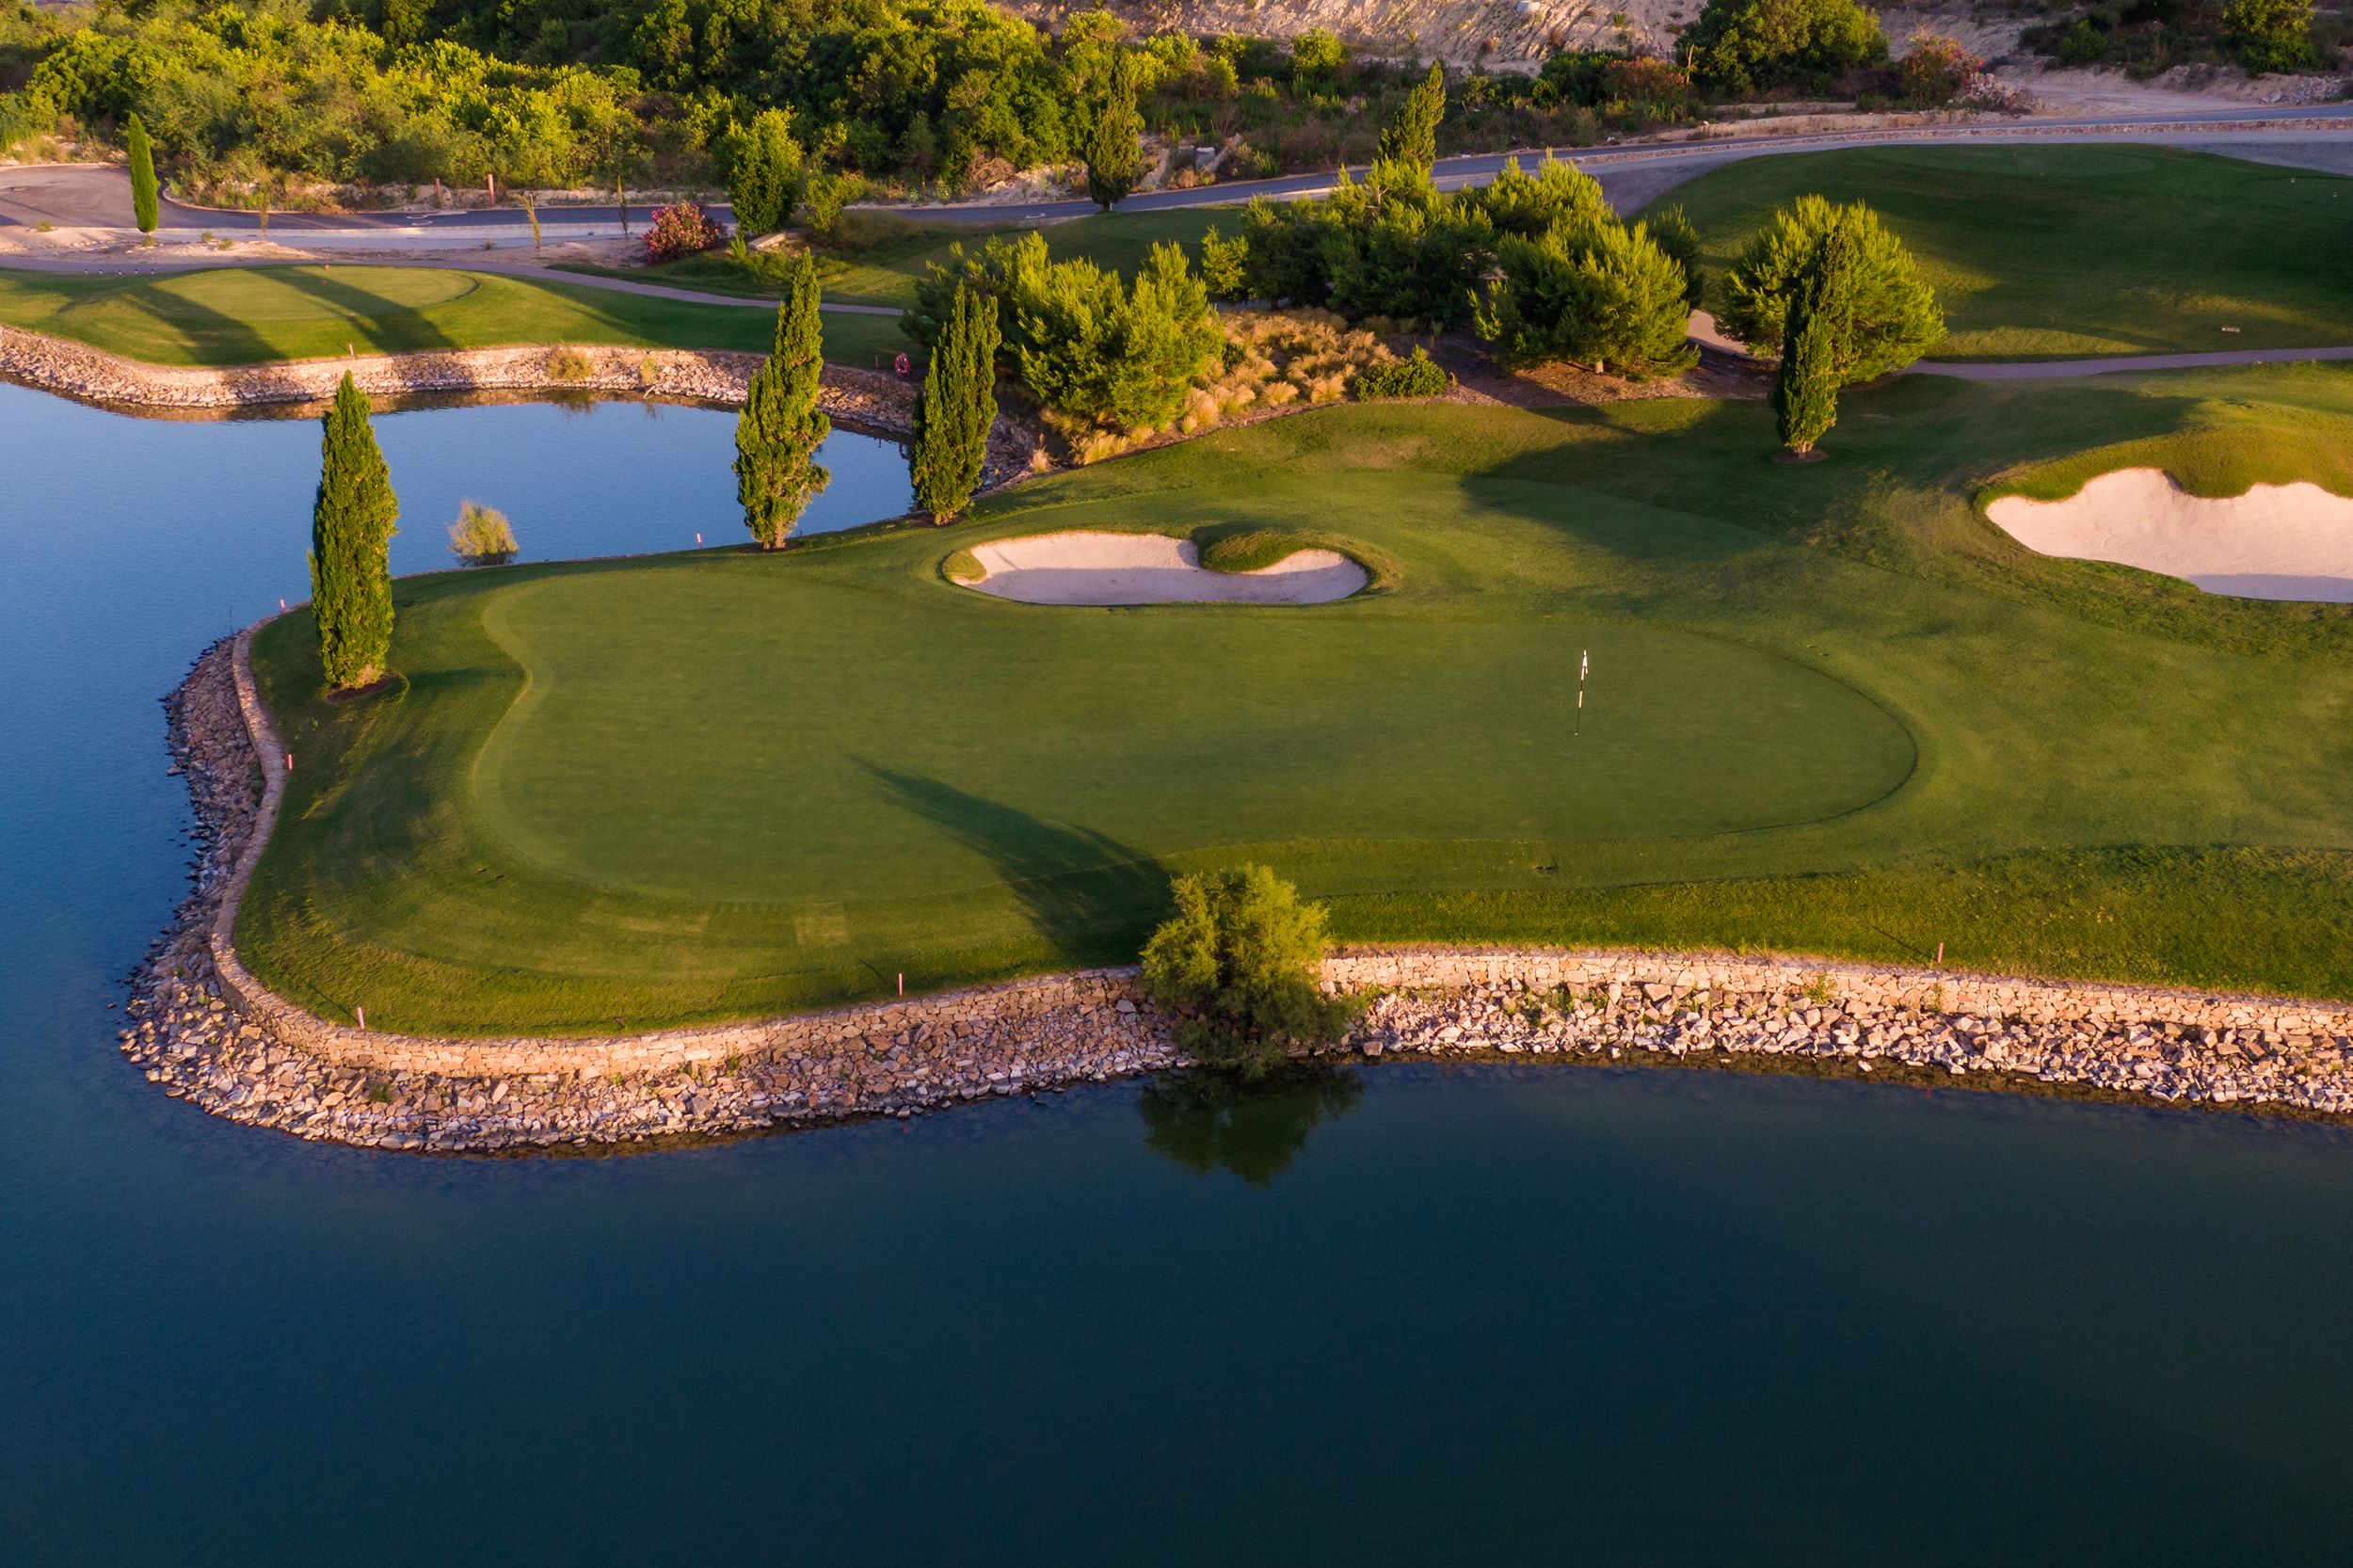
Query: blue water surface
(1407, 1315)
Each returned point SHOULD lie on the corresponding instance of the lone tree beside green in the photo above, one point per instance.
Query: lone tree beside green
(1806, 391)
(1889, 315)
(1413, 139)
(958, 407)
(1240, 964)
(778, 436)
(146, 210)
(352, 525)
(1114, 148)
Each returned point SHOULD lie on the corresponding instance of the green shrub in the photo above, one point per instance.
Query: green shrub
(480, 536)
(1418, 377)
(1093, 354)
(2083, 43)
(1591, 292)
(1744, 47)
(1240, 965)
(2271, 35)
(764, 180)
(1893, 317)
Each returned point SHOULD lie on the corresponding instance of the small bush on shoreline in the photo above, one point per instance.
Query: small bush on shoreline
(1240, 965)
(480, 536)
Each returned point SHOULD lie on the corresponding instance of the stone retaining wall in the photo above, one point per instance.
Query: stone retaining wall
(864, 398)
(207, 1031)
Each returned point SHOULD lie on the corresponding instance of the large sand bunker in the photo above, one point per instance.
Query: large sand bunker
(2277, 541)
(1152, 568)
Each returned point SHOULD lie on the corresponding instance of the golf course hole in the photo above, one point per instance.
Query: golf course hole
(1103, 568)
(2274, 541)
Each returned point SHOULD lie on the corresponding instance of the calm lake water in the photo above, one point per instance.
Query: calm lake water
(1410, 1315)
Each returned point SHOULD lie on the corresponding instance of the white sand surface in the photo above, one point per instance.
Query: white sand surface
(2277, 541)
(1152, 568)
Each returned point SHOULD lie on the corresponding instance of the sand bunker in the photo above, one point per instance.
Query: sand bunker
(1152, 568)
(2277, 541)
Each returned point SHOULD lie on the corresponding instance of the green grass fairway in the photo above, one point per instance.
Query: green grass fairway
(887, 271)
(2042, 252)
(250, 315)
(1832, 709)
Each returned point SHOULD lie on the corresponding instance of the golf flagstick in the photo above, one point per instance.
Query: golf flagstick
(1584, 663)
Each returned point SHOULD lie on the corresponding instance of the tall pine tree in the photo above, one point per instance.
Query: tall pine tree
(351, 531)
(958, 407)
(1412, 137)
(777, 438)
(1114, 148)
(145, 209)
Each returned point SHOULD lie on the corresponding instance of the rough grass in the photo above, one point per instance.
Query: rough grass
(251, 315)
(1832, 710)
(2059, 252)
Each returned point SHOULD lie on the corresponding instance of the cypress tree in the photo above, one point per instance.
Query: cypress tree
(351, 530)
(1805, 388)
(145, 209)
(1114, 148)
(765, 185)
(958, 407)
(778, 436)
(1413, 139)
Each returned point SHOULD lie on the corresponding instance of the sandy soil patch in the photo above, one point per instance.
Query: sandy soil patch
(2277, 541)
(1151, 569)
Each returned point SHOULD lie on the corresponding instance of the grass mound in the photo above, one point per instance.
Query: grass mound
(1254, 551)
(2059, 252)
(1831, 709)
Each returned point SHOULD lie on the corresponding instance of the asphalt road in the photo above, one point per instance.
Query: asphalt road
(2318, 137)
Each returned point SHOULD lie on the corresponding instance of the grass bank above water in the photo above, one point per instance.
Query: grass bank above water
(1831, 709)
(252, 315)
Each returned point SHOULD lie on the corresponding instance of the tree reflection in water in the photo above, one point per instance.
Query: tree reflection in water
(1255, 1128)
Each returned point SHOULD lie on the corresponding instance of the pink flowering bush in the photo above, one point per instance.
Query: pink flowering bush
(684, 229)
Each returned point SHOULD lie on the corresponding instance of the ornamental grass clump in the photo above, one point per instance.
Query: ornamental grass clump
(1240, 963)
(480, 536)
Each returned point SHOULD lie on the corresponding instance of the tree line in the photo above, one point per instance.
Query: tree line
(542, 94)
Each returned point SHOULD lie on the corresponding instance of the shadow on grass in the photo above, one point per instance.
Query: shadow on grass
(1257, 1129)
(207, 336)
(1086, 893)
(394, 330)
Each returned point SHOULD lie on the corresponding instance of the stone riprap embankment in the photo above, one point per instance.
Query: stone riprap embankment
(867, 399)
(203, 1029)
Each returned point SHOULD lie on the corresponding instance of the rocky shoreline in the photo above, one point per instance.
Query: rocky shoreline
(864, 399)
(204, 1030)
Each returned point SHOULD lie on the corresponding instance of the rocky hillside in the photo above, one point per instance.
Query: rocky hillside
(1505, 35)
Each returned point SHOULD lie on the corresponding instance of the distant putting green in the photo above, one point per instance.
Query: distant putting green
(1831, 709)
(252, 315)
(2059, 252)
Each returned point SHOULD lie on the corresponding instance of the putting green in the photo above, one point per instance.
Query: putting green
(824, 759)
(1832, 709)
